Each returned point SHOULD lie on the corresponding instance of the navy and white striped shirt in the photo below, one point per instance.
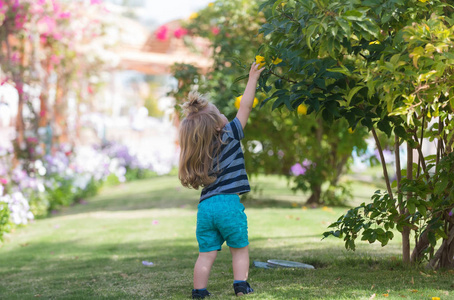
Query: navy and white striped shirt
(232, 177)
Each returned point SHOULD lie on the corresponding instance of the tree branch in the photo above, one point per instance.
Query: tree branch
(383, 163)
(282, 77)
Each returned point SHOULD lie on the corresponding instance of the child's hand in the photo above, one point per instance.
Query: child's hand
(254, 73)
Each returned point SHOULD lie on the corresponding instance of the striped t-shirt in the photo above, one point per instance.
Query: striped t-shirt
(231, 177)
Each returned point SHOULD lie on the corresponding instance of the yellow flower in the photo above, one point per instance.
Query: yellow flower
(193, 16)
(238, 101)
(433, 298)
(277, 60)
(304, 208)
(386, 295)
(302, 109)
(211, 4)
(283, 4)
(423, 1)
(377, 42)
(294, 204)
(260, 60)
(351, 130)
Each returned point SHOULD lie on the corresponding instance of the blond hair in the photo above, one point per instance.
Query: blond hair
(200, 141)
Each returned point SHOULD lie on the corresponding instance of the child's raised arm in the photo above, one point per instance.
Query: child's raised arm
(249, 93)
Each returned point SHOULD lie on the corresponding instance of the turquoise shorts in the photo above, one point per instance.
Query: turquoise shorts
(221, 218)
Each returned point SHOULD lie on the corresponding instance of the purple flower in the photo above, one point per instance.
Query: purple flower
(297, 169)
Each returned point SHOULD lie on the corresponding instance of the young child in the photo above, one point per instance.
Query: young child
(211, 157)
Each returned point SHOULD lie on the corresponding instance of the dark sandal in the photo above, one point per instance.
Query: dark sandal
(198, 294)
(242, 288)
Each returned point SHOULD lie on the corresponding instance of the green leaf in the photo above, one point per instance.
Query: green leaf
(240, 78)
(422, 209)
(440, 186)
(353, 15)
(345, 26)
(400, 131)
(411, 207)
(309, 32)
(352, 93)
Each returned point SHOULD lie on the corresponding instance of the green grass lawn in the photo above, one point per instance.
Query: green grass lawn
(95, 251)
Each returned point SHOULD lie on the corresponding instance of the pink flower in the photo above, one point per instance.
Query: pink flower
(155, 222)
(64, 15)
(15, 57)
(19, 21)
(95, 2)
(215, 30)
(55, 59)
(180, 32)
(3, 181)
(47, 25)
(161, 33)
(42, 113)
(297, 169)
(32, 140)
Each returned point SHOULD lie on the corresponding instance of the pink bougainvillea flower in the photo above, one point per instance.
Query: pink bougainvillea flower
(215, 30)
(55, 59)
(180, 32)
(46, 25)
(15, 57)
(161, 33)
(19, 21)
(95, 2)
(64, 15)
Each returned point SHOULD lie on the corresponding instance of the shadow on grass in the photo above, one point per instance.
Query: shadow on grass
(156, 193)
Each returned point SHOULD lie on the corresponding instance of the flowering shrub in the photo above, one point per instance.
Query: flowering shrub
(34, 188)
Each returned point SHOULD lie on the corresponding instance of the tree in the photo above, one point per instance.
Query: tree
(276, 140)
(385, 66)
(49, 46)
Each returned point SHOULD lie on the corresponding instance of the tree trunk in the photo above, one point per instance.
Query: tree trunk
(444, 258)
(315, 198)
(406, 229)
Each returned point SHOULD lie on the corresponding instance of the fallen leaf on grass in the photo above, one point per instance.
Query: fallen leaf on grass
(124, 275)
(412, 280)
(386, 295)
(414, 291)
(372, 287)
(372, 297)
(424, 274)
(24, 245)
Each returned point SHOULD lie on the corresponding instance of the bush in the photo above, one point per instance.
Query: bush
(5, 225)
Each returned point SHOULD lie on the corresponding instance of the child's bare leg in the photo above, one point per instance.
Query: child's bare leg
(202, 268)
(240, 262)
